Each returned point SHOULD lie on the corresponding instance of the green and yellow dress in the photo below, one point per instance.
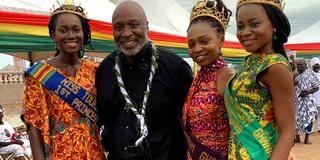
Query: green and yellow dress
(250, 110)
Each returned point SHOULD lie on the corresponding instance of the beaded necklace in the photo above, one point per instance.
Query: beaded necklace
(129, 105)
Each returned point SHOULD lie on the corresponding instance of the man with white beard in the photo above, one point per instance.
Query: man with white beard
(140, 93)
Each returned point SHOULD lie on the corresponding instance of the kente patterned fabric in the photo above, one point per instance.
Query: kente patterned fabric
(250, 109)
(306, 107)
(204, 114)
(66, 134)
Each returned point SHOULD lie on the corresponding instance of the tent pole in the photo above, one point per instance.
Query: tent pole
(30, 58)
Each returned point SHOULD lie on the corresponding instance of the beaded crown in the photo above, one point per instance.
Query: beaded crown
(201, 9)
(68, 8)
(276, 3)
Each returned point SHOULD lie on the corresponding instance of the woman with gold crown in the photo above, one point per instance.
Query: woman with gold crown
(205, 119)
(59, 95)
(259, 98)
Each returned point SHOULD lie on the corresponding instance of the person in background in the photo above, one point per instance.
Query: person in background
(141, 89)
(259, 98)
(7, 145)
(315, 65)
(59, 95)
(205, 118)
(306, 84)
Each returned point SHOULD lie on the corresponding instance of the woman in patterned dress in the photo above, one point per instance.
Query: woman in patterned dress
(259, 98)
(205, 117)
(57, 130)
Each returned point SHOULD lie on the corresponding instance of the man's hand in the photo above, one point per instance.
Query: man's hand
(19, 142)
(304, 94)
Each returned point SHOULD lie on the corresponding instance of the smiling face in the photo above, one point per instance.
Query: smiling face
(130, 28)
(68, 33)
(254, 29)
(204, 43)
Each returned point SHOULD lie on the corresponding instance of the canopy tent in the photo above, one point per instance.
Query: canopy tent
(24, 33)
(306, 42)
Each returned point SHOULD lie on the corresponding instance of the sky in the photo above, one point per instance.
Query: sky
(5, 59)
(301, 14)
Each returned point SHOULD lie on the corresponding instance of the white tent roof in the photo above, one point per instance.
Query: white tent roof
(309, 35)
(168, 14)
(165, 16)
(96, 9)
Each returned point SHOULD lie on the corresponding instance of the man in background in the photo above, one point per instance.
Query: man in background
(7, 145)
(306, 83)
(315, 65)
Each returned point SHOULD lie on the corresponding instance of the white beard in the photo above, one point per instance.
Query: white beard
(131, 52)
(135, 51)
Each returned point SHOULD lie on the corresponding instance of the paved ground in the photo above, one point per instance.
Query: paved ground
(301, 151)
(308, 151)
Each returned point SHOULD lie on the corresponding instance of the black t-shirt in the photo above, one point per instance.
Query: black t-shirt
(170, 85)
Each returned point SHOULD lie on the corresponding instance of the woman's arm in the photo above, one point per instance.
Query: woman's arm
(36, 143)
(223, 77)
(279, 81)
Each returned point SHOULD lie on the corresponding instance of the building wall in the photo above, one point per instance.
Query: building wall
(11, 100)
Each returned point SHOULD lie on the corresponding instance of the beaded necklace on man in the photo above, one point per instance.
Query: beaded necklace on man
(129, 105)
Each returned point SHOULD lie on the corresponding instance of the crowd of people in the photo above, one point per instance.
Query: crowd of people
(143, 103)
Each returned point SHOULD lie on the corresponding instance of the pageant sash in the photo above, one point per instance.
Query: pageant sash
(199, 151)
(258, 141)
(76, 96)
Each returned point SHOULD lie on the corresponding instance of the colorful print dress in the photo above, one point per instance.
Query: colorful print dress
(250, 110)
(204, 114)
(66, 134)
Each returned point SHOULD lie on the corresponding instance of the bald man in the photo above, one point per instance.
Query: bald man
(140, 93)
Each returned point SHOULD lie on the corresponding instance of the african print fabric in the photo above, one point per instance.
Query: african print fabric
(204, 114)
(306, 107)
(66, 134)
(252, 119)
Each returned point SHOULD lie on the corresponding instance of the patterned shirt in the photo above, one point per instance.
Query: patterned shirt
(252, 98)
(306, 107)
(66, 133)
(204, 115)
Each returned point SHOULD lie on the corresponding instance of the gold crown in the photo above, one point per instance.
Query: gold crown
(68, 8)
(201, 9)
(276, 3)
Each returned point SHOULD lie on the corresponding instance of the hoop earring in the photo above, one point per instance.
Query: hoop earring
(81, 52)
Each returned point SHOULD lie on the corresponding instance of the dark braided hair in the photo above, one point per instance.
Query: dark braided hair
(210, 20)
(84, 24)
(282, 25)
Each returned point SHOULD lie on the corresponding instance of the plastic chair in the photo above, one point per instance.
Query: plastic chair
(6, 156)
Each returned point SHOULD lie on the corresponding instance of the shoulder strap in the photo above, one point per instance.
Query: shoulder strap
(76, 96)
